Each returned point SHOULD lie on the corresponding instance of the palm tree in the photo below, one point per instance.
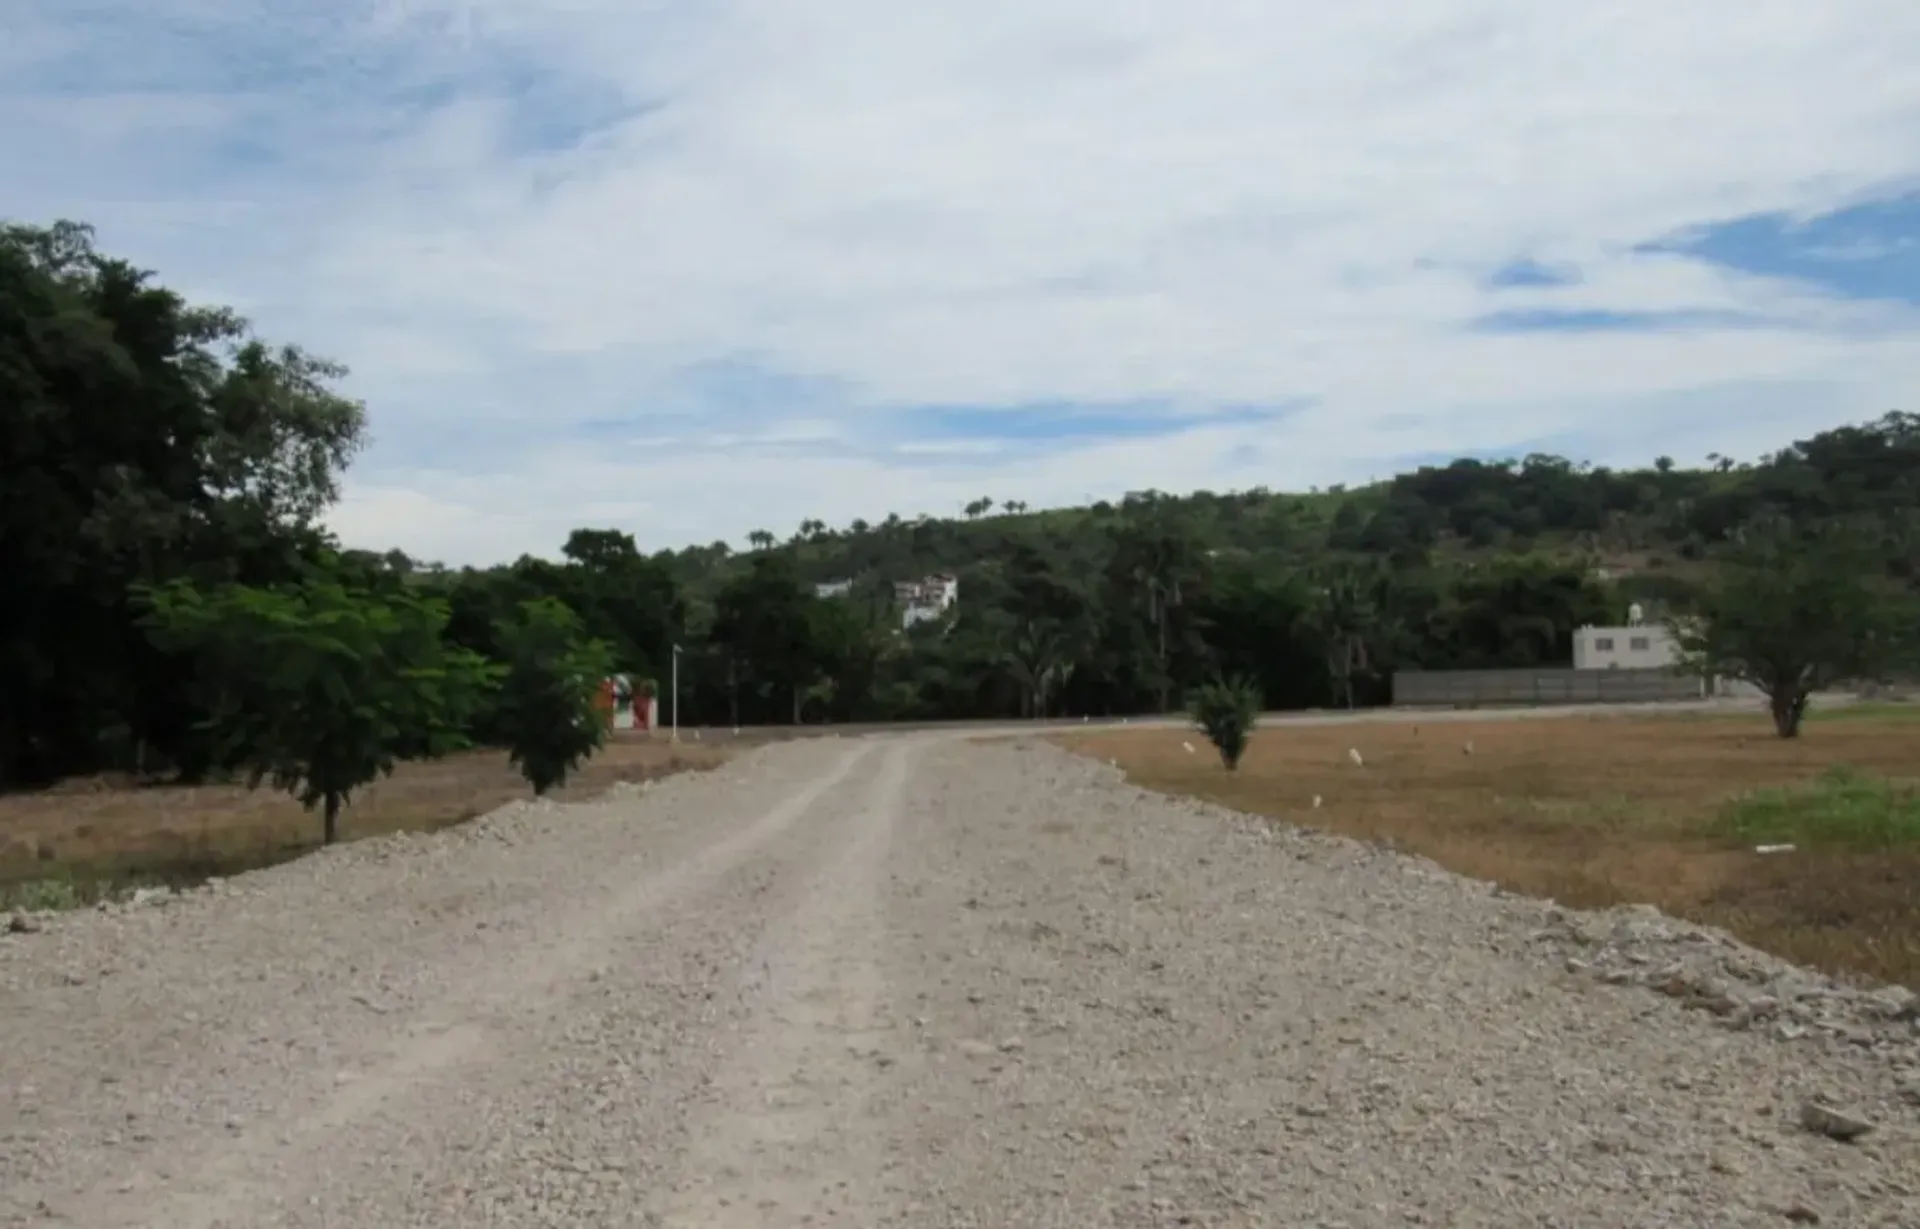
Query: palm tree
(1344, 617)
(1036, 660)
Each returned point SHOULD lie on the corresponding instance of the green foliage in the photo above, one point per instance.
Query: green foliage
(1842, 808)
(144, 439)
(1345, 616)
(317, 687)
(1226, 711)
(546, 710)
(766, 623)
(1794, 609)
(151, 443)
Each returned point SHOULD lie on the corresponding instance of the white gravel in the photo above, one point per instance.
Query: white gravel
(917, 981)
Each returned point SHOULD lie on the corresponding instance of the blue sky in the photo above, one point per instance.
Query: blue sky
(696, 269)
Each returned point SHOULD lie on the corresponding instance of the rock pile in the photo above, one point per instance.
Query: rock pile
(1711, 971)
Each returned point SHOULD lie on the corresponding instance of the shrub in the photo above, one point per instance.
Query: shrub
(1226, 711)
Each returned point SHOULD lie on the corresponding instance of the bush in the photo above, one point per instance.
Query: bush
(1226, 711)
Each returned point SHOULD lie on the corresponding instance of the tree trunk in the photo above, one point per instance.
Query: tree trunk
(1165, 682)
(330, 829)
(1788, 709)
(796, 704)
(733, 691)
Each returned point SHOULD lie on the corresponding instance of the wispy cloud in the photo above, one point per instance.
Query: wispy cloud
(704, 268)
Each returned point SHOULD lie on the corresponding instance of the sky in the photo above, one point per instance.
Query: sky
(696, 269)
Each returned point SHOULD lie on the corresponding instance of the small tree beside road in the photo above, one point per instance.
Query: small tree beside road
(318, 687)
(546, 708)
(1226, 710)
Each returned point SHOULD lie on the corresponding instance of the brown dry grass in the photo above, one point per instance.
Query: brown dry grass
(94, 830)
(1590, 812)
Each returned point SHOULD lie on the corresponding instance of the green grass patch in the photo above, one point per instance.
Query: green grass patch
(58, 893)
(1870, 711)
(1842, 808)
(67, 888)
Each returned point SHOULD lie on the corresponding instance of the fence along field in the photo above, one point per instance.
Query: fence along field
(1666, 810)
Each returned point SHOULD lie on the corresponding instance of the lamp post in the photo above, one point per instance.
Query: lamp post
(676, 695)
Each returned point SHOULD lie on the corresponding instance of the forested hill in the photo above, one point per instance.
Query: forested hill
(176, 606)
(1646, 528)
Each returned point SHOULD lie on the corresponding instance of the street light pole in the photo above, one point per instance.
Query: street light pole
(676, 695)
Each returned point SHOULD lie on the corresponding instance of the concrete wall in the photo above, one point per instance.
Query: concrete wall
(1547, 685)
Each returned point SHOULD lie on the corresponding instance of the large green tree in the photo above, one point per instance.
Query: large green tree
(1796, 608)
(765, 621)
(144, 438)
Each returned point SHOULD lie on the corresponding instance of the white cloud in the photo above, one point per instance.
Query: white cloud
(1221, 201)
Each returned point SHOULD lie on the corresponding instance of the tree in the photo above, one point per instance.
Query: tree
(1343, 616)
(1226, 711)
(760, 539)
(1041, 626)
(1037, 657)
(1795, 609)
(764, 620)
(624, 598)
(1156, 563)
(321, 688)
(547, 709)
(144, 438)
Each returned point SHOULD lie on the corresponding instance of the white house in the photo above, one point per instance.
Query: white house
(833, 588)
(921, 600)
(1637, 646)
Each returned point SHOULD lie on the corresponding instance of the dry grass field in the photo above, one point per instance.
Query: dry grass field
(1611, 809)
(71, 843)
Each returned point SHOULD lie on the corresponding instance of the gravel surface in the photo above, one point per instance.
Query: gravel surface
(913, 980)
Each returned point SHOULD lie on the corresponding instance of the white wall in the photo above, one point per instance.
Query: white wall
(1646, 647)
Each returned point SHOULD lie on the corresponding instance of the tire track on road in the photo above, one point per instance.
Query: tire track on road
(786, 1139)
(232, 1179)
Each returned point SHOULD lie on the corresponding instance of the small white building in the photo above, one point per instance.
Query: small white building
(922, 600)
(1637, 646)
(833, 588)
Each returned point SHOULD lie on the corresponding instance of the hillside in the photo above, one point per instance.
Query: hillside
(1646, 529)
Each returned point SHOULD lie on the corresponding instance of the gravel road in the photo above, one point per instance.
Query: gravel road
(913, 980)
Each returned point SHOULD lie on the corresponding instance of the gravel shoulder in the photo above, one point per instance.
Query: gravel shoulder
(914, 980)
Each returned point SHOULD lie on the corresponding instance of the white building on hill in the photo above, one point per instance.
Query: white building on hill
(922, 600)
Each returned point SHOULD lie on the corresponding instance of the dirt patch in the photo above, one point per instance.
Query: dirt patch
(1592, 812)
(89, 836)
